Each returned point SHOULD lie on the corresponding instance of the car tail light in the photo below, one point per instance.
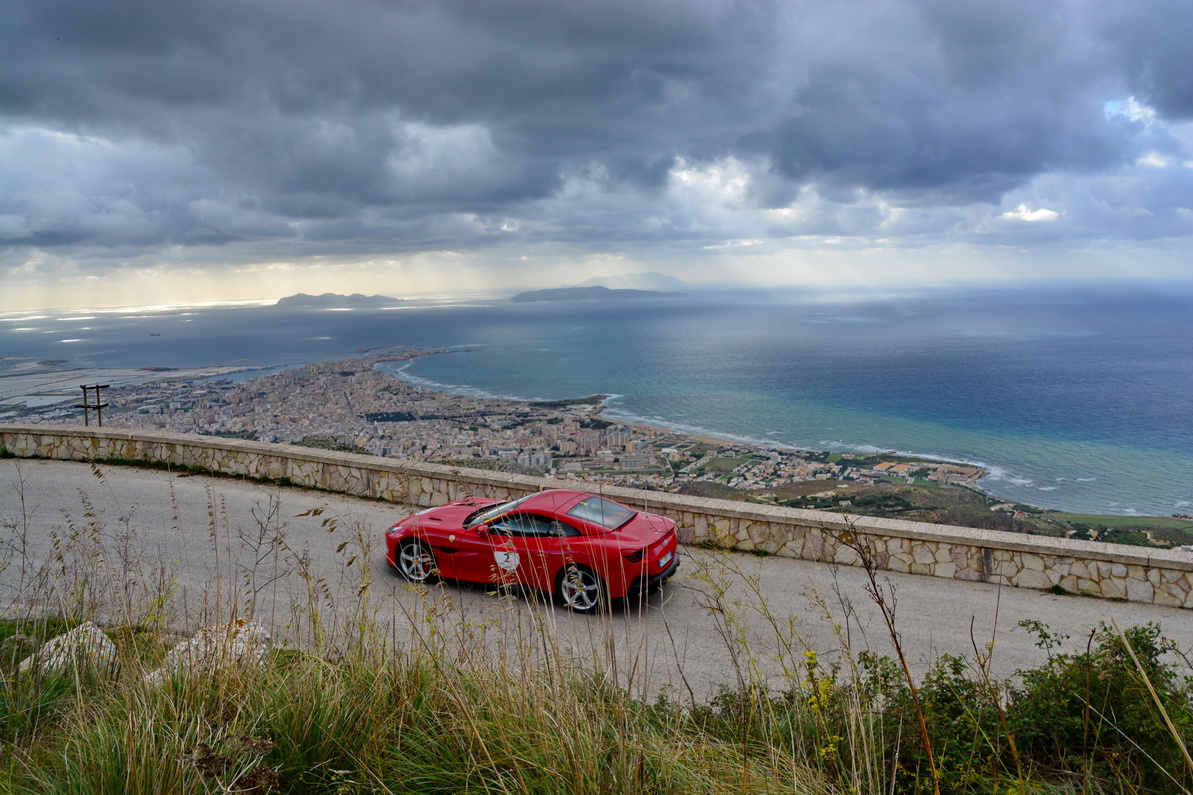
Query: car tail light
(635, 556)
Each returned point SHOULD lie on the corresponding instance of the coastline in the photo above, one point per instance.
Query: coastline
(599, 403)
(49, 384)
(1096, 478)
(1012, 507)
(704, 436)
(52, 384)
(383, 413)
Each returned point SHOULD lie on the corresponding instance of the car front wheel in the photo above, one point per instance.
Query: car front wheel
(416, 563)
(580, 589)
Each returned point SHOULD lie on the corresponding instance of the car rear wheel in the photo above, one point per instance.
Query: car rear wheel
(416, 563)
(580, 589)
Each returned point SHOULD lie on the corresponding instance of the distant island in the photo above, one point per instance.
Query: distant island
(595, 293)
(336, 301)
(635, 281)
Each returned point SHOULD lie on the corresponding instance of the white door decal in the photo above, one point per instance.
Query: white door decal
(506, 561)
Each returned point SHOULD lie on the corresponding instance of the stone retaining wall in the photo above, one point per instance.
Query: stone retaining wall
(1163, 577)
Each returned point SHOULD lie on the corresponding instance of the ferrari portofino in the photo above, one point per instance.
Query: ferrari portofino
(579, 547)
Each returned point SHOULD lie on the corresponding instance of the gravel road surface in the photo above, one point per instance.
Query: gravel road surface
(125, 543)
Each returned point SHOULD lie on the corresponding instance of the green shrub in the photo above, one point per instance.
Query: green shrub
(1093, 713)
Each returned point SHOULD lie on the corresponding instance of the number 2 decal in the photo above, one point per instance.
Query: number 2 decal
(506, 561)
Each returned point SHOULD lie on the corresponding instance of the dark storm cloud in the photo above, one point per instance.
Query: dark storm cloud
(955, 102)
(1152, 50)
(144, 122)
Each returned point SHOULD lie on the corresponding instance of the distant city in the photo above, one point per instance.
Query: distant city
(350, 405)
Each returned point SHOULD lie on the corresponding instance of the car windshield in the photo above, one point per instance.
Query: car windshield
(603, 512)
(489, 514)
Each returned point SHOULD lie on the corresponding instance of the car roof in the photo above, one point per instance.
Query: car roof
(555, 500)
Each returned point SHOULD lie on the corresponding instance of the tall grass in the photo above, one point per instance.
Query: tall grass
(434, 700)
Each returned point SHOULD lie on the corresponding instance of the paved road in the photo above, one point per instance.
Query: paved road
(152, 545)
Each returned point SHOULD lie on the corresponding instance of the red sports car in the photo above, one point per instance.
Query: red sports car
(580, 547)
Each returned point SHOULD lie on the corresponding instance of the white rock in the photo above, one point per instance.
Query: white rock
(241, 643)
(85, 646)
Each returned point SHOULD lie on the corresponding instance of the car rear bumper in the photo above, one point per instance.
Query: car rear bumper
(645, 585)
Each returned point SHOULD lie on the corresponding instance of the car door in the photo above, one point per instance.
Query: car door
(529, 548)
(467, 554)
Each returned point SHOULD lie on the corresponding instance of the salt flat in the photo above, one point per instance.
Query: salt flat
(35, 384)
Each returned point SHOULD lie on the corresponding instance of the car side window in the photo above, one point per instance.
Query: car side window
(522, 525)
(561, 528)
(504, 526)
(529, 525)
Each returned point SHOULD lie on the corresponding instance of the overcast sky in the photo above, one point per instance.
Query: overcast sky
(155, 151)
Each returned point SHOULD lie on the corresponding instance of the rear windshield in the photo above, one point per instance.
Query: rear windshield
(600, 511)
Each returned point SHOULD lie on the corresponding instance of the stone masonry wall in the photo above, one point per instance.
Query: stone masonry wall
(1163, 577)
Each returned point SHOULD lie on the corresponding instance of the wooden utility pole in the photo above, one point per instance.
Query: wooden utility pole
(86, 405)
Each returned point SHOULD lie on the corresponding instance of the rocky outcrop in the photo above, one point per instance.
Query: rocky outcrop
(241, 644)
(85, 647)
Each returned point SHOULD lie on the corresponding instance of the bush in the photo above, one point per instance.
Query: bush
(1094, 713)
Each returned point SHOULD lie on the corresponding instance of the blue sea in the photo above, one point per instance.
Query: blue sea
(1075, 399)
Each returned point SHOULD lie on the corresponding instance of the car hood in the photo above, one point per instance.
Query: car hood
(453, 514)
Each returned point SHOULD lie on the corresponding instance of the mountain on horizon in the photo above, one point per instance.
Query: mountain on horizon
(635, 281)
(595, 293)
(336, 301)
